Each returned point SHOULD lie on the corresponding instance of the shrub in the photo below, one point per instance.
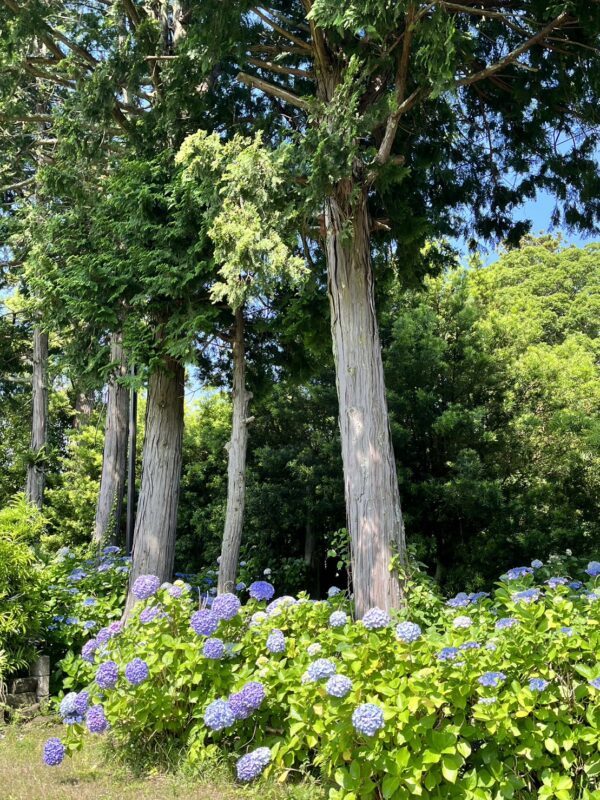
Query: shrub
(505, 704)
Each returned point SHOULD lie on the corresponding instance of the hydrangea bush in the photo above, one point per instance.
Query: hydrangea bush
(500, 704)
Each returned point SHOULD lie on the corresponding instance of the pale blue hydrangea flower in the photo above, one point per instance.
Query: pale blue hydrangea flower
(213, 648)
(526, 596)
(538, 684)
(204, 622)
(517, 572)
(368, 719)
(218, 715)
(314, 649)
(408, 632)
(376, 618)
(537, 564)
(333, 591)
(338, 686)
(462, 622)
(461, 600)
(487, 701)
(595, 682)
(593, 569)
(261, 590)
(321, 668)
(505, 623)
(276, 641)
(556, 581)
(492, 679)
(448, 654)
(338, 619)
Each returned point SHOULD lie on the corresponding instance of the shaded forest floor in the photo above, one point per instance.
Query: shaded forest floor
(88, 775)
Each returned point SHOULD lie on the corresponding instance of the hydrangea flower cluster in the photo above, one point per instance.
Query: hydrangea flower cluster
(595, 682)
(333, 591)
(204, 622)
(257, 618)
(593, 569)
(526, 596)
(505, 623)
(107, 675)
(261, 590)
(96, 720)
(462, 622)
(149, 614)
(54, 752)
(88, 651)
(252, 764)
(276, 605)
(461, 600)
(321, 668)
(538, 684)
(376, 618)
(448, 654)
(408, 632)
(136, 671)
(368, 719)
(69, 710)
(492, 679)
(518, 572)
(226, 606)
(314, 649)
(247, 700)
(276, 641)
(537, 564)
(145, 586)
(213, 649)
(218, 715)
(338, 619)
(556, 581)
(338, 686)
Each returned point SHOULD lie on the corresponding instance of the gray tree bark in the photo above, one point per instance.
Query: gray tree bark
(156, 520)
(236, 468)
(109, 507)
(36, 469)
(370, 480)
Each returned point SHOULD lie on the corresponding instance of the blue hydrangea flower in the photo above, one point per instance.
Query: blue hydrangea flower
(252, 764)
(338, 686)
(556, 581)
(376, 618)
(54, 752)
(314, 649)
(276, 605)
(96, 720)
(77, 575)
(408, 632)
(90, 625)
(257, 618)
(218, 715)
(492, 679)
(69, 710)
(575, 585)
(527, 596)
(247, 700)
(368, 719)
(461, 600)
(595, 682)
(517, 572)
(226, 606)
(592, 596)
(567, 630)
(593, 569)
(333, 591)
(111, 550)
(338, 619)
(149, 614)
(213, 649)
(89, 601)
(462, 622)
(538, 684)
(448, 654)
(175, 591)
(470, 646)
(81, 703)
(136, 671)
(107, 675)
(487, 701)
(71, 621)
(475, 597)
(321, 668)
(537, 564)
(505, 623)
(88, 651)
(103, 635)
(276, 641)
(239, 587)
(145, 586)
(261, 590)
(204, 622)
(491, 646)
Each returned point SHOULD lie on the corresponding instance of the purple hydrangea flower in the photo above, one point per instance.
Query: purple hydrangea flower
(338, 686)
(175, 591)
(247, 700)
(376, 618)
(149, 614)
(368, 719)
(537, 564)
(538, 684)
(145, 586)
(116, 627)
(408, 632)
(252, 764)
(321, 668)
(338, 619)
(136, 671)
(107, 675)
(593, 569)
(96, 720)
(239, 587)
(447, 654)
(54, 752)
(461, 600)
(226, 606)
(204, 622)
(213, 648)
(218, 715)
(505, 623)
(81, 703)
(71, 621)
(261, 590)
(517, 572)
(103, 635)
(111, 550)
(276, 641)
(88, 651)
(462, 622)
(493, 679)
(556, 581)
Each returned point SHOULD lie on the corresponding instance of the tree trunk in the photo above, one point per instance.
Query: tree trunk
(131, 461)
(156, 520)
(370, 480)
(36, 469)
(84, 408)
(114, 461)
(236, 469)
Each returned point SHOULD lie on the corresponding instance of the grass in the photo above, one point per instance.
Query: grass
(88, 775)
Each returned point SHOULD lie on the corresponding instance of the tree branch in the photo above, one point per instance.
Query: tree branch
(281, 31)
(271, 89)
(514, 54)
(272, 67)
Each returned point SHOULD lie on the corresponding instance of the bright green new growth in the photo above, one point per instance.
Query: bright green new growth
(245, 188)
